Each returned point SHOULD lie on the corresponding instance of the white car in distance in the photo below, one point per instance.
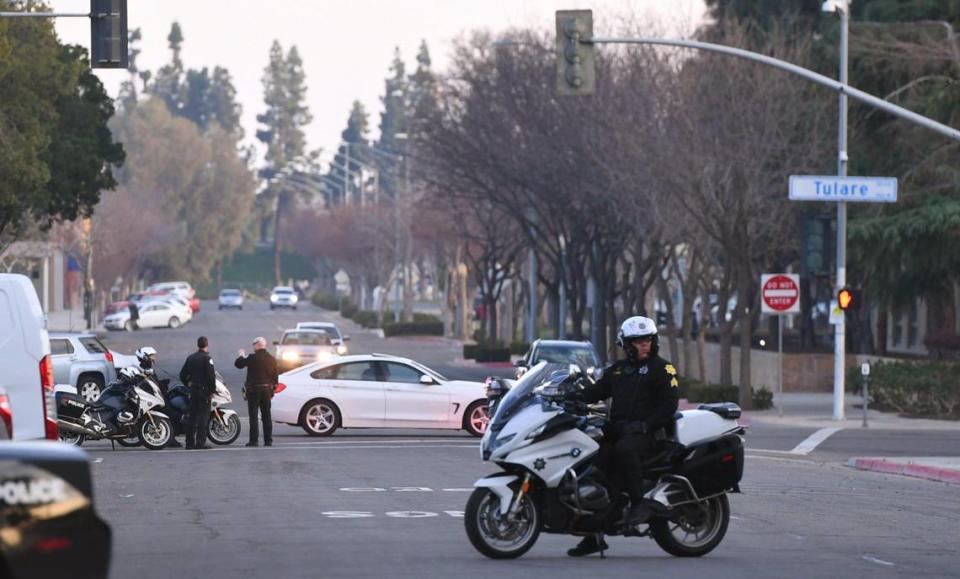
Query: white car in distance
(377, 391)
(230, 298)
(338, 339)
(153, 314)
(283, 297)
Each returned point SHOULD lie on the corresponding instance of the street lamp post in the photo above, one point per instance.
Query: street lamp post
(562, 314)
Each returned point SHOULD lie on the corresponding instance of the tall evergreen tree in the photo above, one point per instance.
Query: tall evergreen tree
(356, 137)
(168, 84)
(285, 92)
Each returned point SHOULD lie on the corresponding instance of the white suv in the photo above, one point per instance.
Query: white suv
(283, 297)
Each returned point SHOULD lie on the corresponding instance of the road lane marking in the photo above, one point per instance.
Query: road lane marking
(877, 561)
(283, 447)
(456, 514)
(814, 440)
(347, 514)
(462, 490)
(410, 514)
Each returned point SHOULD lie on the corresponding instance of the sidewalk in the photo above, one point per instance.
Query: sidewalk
(67, 321)
(815, 410)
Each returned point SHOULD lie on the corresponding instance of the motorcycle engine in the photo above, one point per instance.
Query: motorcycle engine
(586, 495)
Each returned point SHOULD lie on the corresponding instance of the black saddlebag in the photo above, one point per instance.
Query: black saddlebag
(70, 405)
(714, 466)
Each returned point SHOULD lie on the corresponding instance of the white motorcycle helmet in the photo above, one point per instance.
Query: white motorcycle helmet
(638, 327)
(147, 357)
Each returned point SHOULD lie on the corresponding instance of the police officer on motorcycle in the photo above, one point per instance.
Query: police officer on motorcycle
(147, 357)
(644, 389)
(200, 377)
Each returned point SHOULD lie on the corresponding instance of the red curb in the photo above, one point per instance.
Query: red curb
(947, 475)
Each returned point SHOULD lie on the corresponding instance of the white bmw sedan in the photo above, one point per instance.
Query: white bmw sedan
(377, 391)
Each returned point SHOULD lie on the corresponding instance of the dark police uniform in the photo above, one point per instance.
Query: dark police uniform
(200, 377)
(645, 400)
(260, 384)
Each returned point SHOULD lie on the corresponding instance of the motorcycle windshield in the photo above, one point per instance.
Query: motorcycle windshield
(525, 391)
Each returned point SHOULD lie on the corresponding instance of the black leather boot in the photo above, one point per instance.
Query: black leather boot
(589, 545)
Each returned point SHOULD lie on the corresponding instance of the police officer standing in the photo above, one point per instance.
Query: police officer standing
(644, 389)
(259, 386)
(200, 377)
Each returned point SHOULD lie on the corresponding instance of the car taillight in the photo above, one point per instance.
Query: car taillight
(5, 413)
(280, 388)
(49, 402)
(109, 356)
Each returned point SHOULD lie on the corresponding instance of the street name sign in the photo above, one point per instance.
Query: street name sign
(780, 293)
(833, 188)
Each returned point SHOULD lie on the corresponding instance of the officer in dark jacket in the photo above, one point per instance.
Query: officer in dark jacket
(644, 391)
(200, 377)
(259, 387)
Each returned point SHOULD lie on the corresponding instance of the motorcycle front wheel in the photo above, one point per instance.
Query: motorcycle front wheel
(155, 435)
(500, 536)
(694, 530)
(224, 432)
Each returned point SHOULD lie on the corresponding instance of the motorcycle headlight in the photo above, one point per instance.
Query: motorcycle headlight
(498, 442)
(537, 431)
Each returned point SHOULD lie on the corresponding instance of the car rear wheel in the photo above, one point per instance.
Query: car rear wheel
(89, 387)
(476, 418)
(174, 322)
(320, 418)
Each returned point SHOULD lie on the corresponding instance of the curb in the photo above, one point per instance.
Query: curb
(936, 473)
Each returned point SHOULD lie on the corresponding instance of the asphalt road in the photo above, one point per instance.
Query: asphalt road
(389, 504)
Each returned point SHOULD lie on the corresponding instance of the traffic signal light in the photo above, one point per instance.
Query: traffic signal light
(848, 299)
(108, 34)
(576, 65)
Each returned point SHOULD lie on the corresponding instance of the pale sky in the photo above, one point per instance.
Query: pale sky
(346, 45)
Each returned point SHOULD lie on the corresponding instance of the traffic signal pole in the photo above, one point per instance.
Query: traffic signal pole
(840, 329)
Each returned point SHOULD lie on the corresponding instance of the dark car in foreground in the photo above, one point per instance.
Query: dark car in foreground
(48, 525)
(582, 354)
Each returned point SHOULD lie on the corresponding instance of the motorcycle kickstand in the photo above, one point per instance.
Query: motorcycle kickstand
(113, 444)
(599, 540)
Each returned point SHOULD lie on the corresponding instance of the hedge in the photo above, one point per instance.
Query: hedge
(470, 351)
(366, 318)
(519, 348)
(695, 391)
(348, 310)
(325, 301)
(493, 354)
(413, 329)
(917, 389)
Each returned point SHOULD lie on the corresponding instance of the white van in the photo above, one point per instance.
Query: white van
(26, 370)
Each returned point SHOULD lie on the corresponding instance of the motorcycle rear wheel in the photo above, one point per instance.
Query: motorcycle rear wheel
(130, 442)
(683, 537)
(72, 438)
(492, 534)
(155, 435)
(224, 434)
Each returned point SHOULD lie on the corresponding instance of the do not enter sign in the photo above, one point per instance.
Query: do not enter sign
(780, 293)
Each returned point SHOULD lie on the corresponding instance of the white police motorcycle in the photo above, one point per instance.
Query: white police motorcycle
(546, 448)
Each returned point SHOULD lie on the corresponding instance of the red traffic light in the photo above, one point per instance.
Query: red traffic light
(848, 298)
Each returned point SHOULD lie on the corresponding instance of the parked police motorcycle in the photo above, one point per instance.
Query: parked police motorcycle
(546, 447)
(127, 408)
(224, 422)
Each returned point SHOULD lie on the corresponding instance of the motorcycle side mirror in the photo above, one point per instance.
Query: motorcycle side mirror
(495, 387)
(521, 363)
